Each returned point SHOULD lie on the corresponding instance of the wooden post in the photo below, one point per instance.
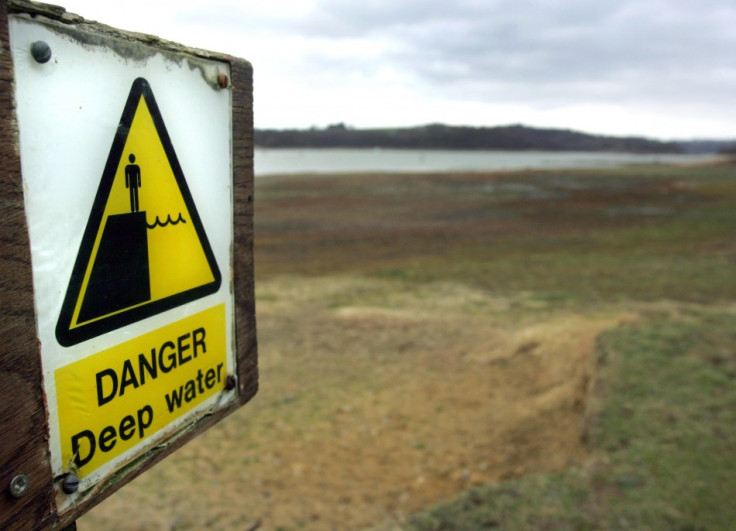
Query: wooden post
(23, 447)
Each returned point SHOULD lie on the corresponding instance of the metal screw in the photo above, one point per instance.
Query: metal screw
(70, 484)
(19, 485)
(41, 52)
(222, 81)
(230, 382)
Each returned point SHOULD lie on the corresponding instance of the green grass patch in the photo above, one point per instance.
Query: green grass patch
(662, 436)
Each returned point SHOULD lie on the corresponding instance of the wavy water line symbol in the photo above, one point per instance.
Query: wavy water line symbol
(168, 221)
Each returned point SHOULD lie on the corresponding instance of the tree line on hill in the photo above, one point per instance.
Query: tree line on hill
(438, 136)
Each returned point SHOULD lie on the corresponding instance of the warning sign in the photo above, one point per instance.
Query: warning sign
(144, 250)
(113, 400)
(137, 197)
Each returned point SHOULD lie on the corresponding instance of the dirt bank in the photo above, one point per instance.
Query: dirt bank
(368, 413)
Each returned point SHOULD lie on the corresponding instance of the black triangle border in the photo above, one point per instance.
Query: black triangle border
(65, 335)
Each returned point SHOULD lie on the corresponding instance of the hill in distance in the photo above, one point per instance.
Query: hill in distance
(439, 136)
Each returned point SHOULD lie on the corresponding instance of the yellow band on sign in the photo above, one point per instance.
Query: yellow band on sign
(113, 400)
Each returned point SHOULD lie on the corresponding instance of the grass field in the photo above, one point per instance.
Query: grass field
(661, 440)
(556, 348)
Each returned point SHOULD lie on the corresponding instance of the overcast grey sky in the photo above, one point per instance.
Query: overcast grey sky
(658, 68)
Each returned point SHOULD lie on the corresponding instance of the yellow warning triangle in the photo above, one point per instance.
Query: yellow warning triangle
(144, 250)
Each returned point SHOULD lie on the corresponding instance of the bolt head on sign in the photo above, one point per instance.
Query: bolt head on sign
(143, 299)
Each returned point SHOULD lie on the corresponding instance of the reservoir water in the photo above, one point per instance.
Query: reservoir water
(285, 161)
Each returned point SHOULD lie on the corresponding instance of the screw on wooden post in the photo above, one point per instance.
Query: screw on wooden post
(19, 485)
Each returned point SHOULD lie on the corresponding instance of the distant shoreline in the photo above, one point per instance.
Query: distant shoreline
(455, 138)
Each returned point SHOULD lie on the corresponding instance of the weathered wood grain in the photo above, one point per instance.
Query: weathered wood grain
(243, 200)
(23, 431)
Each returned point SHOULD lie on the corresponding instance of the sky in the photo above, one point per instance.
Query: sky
(662, 69)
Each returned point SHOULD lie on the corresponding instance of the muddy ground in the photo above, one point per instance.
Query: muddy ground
(367, 414)
(418, 335)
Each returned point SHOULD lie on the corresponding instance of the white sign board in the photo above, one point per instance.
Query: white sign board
(127, 175)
